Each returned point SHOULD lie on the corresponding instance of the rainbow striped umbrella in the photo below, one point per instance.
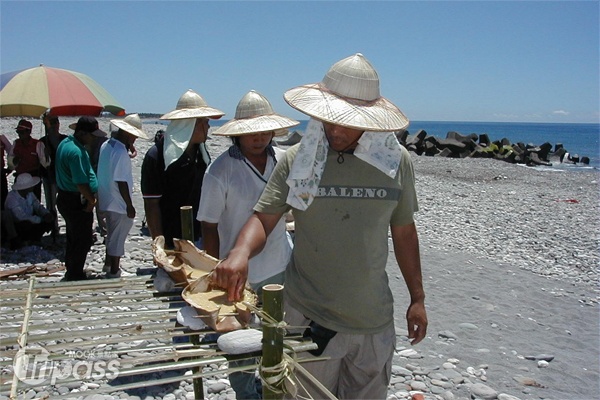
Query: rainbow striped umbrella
(34, 91)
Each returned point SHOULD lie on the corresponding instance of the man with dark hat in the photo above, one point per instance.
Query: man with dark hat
(349, 183)
(77, 185)
(28, 155)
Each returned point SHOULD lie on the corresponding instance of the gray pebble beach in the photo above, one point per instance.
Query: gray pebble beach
(510, 258)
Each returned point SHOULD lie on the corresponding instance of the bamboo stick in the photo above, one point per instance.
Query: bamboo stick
(22, 339)
(187, 233)
(272, 338)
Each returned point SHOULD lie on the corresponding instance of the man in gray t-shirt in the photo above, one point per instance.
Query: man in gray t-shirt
(349, 182)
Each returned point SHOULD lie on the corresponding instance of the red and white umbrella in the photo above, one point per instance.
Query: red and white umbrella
(32, 92)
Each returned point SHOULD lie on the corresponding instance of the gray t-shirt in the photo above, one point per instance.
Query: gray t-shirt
(337, 274)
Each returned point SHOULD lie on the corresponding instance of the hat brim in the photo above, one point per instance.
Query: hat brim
(200, 112)
(20, 186)
(379, 115)
(121, 124)
(97, 132)
(250, 126)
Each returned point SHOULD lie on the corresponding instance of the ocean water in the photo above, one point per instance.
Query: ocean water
(581, 139)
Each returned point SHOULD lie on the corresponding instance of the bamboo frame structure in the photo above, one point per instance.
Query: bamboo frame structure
(117, 316)
(124, 317)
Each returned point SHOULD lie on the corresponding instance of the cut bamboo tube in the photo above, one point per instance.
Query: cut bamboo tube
(272, 338)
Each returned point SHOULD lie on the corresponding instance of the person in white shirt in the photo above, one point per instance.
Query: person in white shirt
(231, 187)
(115, 188)
(25, 213)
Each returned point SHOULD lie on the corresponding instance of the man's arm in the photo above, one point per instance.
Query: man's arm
(406, 249)
(124, 191)
(210, 238)
(232, 272)
(43, 155)
(153, 217)
(86, 191)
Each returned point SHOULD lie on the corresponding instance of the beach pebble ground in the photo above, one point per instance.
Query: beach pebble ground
(510, 260)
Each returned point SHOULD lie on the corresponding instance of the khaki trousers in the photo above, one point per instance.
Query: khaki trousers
(359, 367)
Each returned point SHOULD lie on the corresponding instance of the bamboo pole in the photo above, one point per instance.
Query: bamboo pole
(22, 339)
(187, 233)
(187, 223)
(272, 338)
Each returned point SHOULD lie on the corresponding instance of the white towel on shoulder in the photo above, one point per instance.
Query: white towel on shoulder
(379, 149)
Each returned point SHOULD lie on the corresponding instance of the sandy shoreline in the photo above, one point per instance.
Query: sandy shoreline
(510, 259)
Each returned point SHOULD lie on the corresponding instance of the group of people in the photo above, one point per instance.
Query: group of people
(24, 218)
(348, 184)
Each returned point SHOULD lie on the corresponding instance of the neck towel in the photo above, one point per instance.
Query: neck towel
(177, 137)
(378, 149)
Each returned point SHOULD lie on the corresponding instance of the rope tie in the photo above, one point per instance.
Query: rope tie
(280, 378)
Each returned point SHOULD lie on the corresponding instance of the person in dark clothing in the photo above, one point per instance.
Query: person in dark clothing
(173, 169)
(77, 186)
(51, 140)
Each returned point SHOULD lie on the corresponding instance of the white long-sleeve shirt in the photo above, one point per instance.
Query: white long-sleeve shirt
(26, 208)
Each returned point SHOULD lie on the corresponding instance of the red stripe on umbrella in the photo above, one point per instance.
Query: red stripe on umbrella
(77, 100)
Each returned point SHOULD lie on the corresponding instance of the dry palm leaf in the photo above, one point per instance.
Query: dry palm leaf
(214, 308)
(185, 264)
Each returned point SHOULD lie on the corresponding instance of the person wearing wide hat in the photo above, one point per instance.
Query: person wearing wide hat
(173, 168)
(28, 154)
(77, 185)
(231, 186)
(349, 183)
(29, 217)
(115, 189)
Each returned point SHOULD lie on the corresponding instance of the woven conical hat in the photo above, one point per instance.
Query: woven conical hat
(254, 114)
(349, 96)
(192, 105)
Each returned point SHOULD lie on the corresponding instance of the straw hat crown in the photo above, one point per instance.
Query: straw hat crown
(192, 105)
(132, 124)
(25, 181)
(254, 114)
(253, 104)
(348, 96)
(353, 77)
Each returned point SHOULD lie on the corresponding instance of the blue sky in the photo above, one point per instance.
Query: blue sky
(524, 61)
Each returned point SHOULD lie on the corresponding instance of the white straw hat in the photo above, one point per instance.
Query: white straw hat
(254, 114)
(348, 96)
(25, 181)
(192, 105)
(132, 124)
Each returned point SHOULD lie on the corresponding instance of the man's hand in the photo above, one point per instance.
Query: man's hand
(416, 317)
(130, 211)
(89, 205)
(231, 274)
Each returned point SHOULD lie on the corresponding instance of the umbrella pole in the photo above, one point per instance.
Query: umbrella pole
(187, 233)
